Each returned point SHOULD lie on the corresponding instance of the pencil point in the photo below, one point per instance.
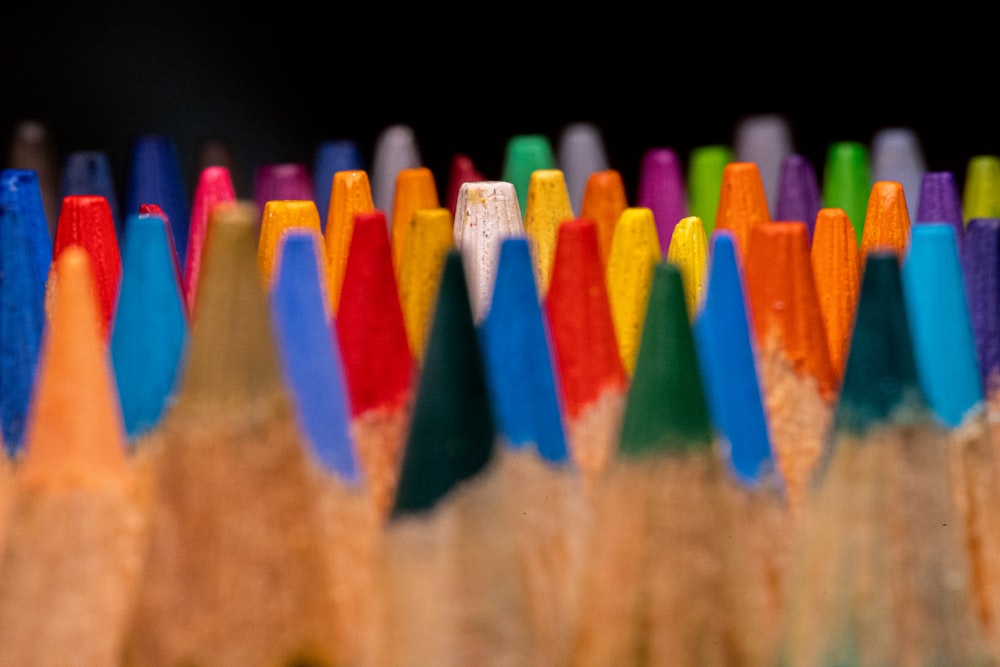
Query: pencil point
(74, 434)
(798, 192)
(887, 223)
(518, 355)
(280, 181)
(580, 152)
(22, 302)
(310, 353)
(396, 148)
(706, 165)
(688, 250)
(155, 177)
(943, 341)
(742, 202)
(523, 154)
(847, 181)
(764, 139)
(460, 171)
(350, 194)
(86, 220)
(661, 189)
(666, 408)
(231, 356)
(331, 156)
(149, 332)
(548, 206)
(487, 213)
(451, 436)
(415, 189)
(880, 379)
(214, 186)
(430, 238)
(897, 155)
(89, 173)
(604, 199)
(635, 251)
(981, 271)
(21, 187)
(981, 192)
(940, 202)
(836, 262)
(280, 217)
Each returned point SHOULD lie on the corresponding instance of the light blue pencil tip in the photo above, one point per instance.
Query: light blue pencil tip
(940, 325)
(310, 356)
(150, 330)
(728, 361)
(518, 358)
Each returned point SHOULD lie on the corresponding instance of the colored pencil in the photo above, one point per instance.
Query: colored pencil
(396, 148)
(743, 202)
(940, 201)
(635, 251)
(155, 176)
(329, 157)
(657, 587)
(765, 139)
(314, 373)
(847, 181)
(939, 320)
(836, 261)
(350, 194)
(149, 332)
(378, 365)
(430, 238)
(981, 187)
(33, 147)
(415, 189)
(593, 381)
(277, 181)
(604, 199)
(580, 151)
(24, 270)
(661, 189)
(887, 221)
(281, 216)
(523, 154)
(706, 165)
(688, 250)
(75, 533)
(461, 170)
(88, 172)
(798, 192)
(86, 220)
(214, 186)
(798, 381)
(897, 154)
(880, 574)
(448, 536)
(232, 489)
(548, 206)
(487, 212)
(544, 490)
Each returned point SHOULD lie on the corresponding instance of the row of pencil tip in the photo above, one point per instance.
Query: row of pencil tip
(389, 350)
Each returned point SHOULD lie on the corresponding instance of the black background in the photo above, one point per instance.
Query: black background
(276, 79)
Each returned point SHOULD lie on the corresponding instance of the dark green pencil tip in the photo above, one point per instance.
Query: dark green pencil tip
(452, 430)
(666, 408)
(880, 379)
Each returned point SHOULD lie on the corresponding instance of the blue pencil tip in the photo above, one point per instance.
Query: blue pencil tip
(943, 340)
(150, 330)
(89, 173)
(155, 177)
(518, 358)
(728, 361)
(22, 305)
(330, 157)
(310, 356)
(21, 187)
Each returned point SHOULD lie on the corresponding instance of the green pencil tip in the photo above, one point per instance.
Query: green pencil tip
(666, 408)
(452, 431)
(880, 379)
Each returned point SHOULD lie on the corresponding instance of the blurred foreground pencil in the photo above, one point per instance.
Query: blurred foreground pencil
(544, 491)
(880, 574)
(447, 593)
(657, 586)
(235, 572)
(74, 539)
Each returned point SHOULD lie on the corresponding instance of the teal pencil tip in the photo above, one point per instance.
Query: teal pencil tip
(452, 431)
(940, 324)
(666, 409)
(880, 378)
